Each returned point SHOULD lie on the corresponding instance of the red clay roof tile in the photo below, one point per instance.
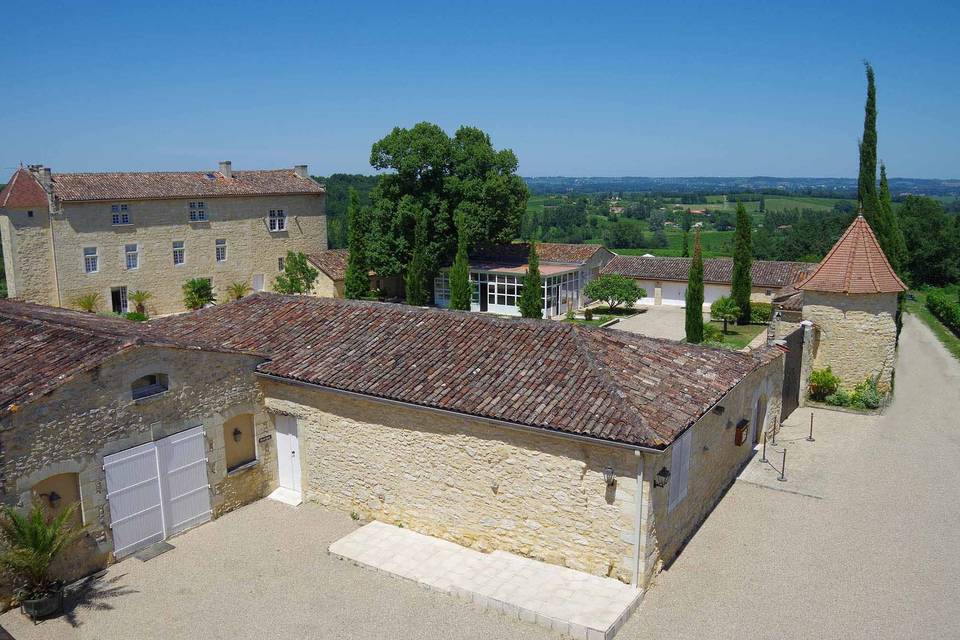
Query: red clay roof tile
(22, 192)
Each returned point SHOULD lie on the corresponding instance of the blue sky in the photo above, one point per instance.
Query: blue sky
(575, 88)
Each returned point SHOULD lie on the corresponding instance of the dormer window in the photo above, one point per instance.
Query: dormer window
(277, 220)
(198, 211)
(149, 385)
(120, 214)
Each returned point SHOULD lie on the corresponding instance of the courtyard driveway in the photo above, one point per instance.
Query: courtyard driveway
(659, 321)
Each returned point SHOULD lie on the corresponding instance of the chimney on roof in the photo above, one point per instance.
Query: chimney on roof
(43, 175)
(226, 168)
(301, 171)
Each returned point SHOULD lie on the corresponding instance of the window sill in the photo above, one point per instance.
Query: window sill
(242, 468)
(143, 399)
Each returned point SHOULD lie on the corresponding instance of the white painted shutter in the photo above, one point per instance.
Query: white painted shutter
(133, 493)
(679, 469)
(186, 490)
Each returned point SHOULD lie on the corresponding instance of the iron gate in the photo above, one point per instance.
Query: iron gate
(791, 372)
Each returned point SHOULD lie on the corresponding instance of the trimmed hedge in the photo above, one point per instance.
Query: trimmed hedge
(760, 312)
(946, 310)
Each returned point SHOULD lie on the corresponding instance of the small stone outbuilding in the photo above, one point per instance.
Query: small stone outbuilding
(851, 299)
(331, 268)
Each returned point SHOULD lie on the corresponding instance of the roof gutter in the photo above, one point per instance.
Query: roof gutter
(516, 426)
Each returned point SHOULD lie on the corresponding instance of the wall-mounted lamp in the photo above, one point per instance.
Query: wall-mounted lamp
(663, 477)
(53, 498)
(237, 434)
(608, 476)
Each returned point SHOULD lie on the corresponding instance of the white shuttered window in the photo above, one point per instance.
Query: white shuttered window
(679, 469)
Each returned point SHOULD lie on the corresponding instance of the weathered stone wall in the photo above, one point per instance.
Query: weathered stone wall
(715, 461)
(465, 480)
(27, 255)
(325, 287)
(74, 427)
(857, 335)
(155, 225)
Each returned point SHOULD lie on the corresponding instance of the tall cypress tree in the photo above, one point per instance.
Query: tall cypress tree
(694, 324)
(867, 180)
(741, 284)
(891, 241)
(356, 282)
(460, 271)
(531, 298)
(686, 244)
(416, 279)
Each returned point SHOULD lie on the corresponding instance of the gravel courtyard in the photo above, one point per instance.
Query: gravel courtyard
(858, 543)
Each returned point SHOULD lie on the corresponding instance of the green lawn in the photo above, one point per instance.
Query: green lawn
(715, 244)
(596, 322)
(918, 308)
(778, 203)
(739, 336)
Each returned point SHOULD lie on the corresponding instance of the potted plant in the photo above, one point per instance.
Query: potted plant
(28, 546)
(238, 290)
(139, 299)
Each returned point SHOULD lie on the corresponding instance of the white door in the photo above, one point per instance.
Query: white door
(133, 491)
(157, 489)
(184, 484)
(288, 452)
(674, 293)
(258, 282)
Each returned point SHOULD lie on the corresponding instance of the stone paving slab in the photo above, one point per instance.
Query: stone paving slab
(570, 602)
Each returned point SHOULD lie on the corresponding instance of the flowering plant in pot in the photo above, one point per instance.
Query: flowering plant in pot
(29, 543)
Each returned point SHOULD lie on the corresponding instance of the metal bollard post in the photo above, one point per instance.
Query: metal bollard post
(783, 467)
(764, 457)
(810, 437)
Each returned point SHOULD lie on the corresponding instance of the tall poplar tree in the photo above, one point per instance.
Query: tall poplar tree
(460, 271)
(416, 278)
(531, 298)
(867, 180)
(694, 323)
(891, 238)
(356, 282)
(741, 284)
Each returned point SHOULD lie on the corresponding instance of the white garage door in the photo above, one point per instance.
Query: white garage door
(674, 293)
(157, 489)
(713, 291)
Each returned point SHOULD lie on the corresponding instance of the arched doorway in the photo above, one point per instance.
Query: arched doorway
(759, 418)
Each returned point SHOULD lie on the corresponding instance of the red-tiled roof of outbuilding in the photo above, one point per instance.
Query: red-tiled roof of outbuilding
(332, 262)
(855, 264)
(763, 273)
(22, 192)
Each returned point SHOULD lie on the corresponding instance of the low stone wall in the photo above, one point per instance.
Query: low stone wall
(858, 335)
(465, 480)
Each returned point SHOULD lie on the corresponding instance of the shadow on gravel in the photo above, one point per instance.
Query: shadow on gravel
(92, 593)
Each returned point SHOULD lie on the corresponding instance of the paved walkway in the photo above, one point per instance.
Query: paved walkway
(659, 321)
(569, 602)
(873, 556)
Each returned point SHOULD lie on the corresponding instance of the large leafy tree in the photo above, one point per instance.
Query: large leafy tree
(460, 271)
(356, 281)
(531, 297)
(933, 238)
(867, 180)
(741, 284)
(694, 298)
(443, 177)
(297, 277)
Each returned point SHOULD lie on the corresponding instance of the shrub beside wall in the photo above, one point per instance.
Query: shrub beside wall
(945, 309)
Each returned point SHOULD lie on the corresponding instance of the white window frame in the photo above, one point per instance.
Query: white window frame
(679, 469)
(179, 253)
(197, 211)
(91, 258)
(119, 214)
(131, 257)
(277, 220)
(220, 249)
(441, 289)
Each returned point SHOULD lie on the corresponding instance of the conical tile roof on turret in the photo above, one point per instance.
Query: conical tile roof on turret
(855, 264)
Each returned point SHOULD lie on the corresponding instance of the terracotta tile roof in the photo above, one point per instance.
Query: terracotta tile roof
(180, 184)
(516, 254)
(43, 347)
(332, 262)
(22, 192)
(764, 273)
(604, 384)
(855, 264)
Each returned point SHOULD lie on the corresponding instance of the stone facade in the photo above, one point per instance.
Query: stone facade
(857, 335)
(466, 480)
(74, 427)
(715, 461)
(42, 252)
